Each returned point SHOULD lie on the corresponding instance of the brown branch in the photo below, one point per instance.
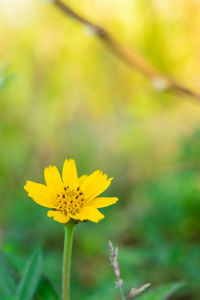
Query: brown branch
(129, 56)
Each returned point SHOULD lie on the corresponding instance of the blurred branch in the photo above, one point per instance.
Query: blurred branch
(129, 56)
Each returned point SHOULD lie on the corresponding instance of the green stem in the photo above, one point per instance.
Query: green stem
(69, 228)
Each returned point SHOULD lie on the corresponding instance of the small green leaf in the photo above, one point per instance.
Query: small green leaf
(31, 276)
(163, 292)
(7, 283)
(45, 290)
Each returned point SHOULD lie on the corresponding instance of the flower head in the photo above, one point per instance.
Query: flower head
(71, 197)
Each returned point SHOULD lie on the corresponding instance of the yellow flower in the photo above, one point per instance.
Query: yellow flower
(71, 197)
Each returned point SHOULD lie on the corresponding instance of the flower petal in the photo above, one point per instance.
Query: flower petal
(53, 179)
(95, 184)
(69, 173)
(89, 213)
(40, 194)
(82, 179)
(102, 201)
(58, 216)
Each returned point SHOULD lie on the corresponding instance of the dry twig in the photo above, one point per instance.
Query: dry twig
(116, 267)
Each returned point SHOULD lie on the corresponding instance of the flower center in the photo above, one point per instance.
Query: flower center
(69, 201)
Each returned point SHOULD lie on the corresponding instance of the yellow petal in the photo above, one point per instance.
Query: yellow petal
(58, 216)
(40, 194)
(69, 173)
(82, 179)
(102, 201)
(95, 184)
(89, 213)
(53, 179)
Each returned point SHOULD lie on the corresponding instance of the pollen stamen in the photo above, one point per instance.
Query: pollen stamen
(69, 200)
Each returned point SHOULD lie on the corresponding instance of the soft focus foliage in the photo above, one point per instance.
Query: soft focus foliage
(69, 97)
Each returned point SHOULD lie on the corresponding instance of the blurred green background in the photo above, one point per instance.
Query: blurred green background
(63, 94)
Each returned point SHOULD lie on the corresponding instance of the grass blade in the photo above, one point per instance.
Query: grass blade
(31, 276)
(7, 283)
